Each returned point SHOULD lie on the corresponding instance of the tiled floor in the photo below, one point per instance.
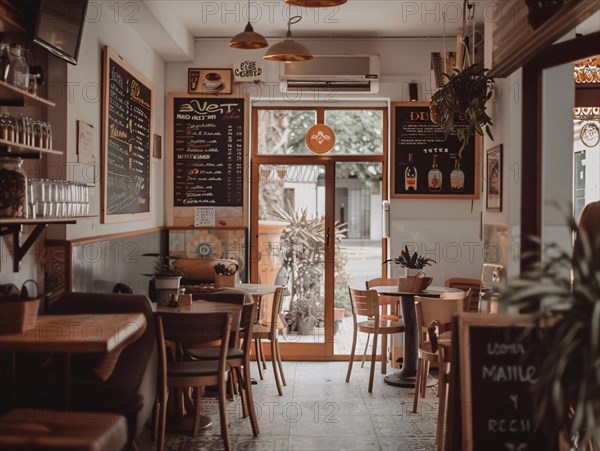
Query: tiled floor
(320, 411)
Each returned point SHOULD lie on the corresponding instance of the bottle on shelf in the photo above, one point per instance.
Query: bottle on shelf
(18, 73)
(410, 175)
(434, 177)
(457, 177)
(4, 61)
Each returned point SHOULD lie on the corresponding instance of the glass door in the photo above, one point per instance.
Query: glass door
(316, 221)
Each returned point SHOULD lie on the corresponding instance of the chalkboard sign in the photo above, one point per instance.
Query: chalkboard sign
(208, 151)
(126, 141)
(497, 372)
(425, 164)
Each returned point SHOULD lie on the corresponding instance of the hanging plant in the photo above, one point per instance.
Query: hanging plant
(464, 98)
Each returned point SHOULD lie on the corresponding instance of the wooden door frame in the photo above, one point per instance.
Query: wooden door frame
(311, 351)
(531, 141)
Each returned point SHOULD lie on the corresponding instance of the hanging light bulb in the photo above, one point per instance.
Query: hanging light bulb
(248, 39)
(315, 3)
(288, 50)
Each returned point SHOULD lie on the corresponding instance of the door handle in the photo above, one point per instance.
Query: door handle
(327, 237)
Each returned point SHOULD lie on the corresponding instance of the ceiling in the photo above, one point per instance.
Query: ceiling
(356, 18)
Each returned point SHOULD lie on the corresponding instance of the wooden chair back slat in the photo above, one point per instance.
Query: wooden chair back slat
(364, 302)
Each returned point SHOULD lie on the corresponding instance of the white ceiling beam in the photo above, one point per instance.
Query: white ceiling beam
(156, 23)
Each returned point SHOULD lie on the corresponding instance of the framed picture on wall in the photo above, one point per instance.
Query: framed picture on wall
(493, 180)
(427, 164)
(209, 81)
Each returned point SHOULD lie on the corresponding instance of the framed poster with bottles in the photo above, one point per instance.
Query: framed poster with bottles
(425, 164)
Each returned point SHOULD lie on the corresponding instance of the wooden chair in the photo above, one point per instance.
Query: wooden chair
(464, 284)
(190, 330)
(389, 311)
(465, 296)
(271, 332)
(238, 354)
(366, 303)
(445, 357)
(428, 311)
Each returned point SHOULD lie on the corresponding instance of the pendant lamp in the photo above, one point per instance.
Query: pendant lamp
(288, 50)
(248, 39)
(315, 3)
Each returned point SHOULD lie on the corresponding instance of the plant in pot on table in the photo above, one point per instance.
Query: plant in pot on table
(225, 275)
(414, 279)
(166, 278)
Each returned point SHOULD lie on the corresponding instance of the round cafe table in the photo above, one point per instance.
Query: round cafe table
(408, 373)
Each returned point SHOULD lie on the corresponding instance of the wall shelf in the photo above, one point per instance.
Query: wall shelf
(18, 149)
(12, 96)
(13, 226)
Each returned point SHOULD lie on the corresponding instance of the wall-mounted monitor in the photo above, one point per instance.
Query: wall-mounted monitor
(59, 27)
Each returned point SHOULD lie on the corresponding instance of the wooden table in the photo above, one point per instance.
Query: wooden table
(76, 334)
(407, 375)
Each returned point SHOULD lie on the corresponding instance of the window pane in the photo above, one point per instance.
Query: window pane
(357, 131)
(281, 132)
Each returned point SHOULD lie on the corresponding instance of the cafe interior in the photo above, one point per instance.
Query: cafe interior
(299, 225)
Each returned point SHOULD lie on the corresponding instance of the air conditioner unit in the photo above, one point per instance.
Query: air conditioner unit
(332, 73)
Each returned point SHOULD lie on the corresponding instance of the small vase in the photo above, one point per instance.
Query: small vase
(224, 281)
(305, 326)
(412, 272)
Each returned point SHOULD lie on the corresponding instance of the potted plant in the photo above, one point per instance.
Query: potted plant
(568, 314)
(305, 311)
(166, 277)
(464, 97)
(413, 264)
(225, 275)
(414, 279)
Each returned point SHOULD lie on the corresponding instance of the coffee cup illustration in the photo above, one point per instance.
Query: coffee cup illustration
(212, 81)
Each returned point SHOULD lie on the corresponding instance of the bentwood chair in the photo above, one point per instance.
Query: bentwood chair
(389, 311)
(428, 311)
(464, 284)
(191, 330)
(271, 332)
(238, 354)
(366, 303)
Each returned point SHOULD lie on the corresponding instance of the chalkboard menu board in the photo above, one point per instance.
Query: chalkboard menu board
(427, 165)
(126, 141)
(497, 374)
(208, 157)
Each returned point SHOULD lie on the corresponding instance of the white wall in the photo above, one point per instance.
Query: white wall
(76, 91)
(448, 230)
(557, 153)
(83, 102)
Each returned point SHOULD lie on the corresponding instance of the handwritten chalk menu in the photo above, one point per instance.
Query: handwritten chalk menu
(127, 133)
(497, 374)
(425, 163)
(208, 145)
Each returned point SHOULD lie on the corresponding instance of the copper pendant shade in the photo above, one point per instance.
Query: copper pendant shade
(248, 39)
(315, 3)
(288, 50)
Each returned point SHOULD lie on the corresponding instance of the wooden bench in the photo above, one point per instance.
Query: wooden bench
(41, 429)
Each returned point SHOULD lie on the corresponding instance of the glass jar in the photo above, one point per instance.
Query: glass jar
(18, 73)
(13, 188)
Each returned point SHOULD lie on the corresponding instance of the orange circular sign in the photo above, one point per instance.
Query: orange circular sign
(320, 138)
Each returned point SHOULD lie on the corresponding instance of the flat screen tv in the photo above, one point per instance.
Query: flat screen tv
(59, 27)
